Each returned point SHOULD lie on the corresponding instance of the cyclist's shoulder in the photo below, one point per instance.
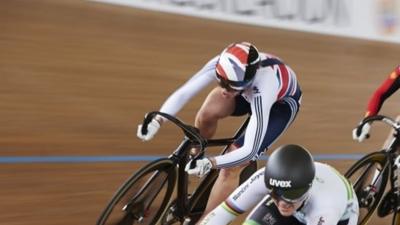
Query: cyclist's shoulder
(321, 200)
(326, 171)
(329, 185)
(326, 199)
(322, 166)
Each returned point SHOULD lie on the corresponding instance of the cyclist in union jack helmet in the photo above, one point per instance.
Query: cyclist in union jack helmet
(292, 189)
(249, 83)
(383, 92)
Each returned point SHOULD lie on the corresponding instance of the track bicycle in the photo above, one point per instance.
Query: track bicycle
(370, 175)
(144, 198)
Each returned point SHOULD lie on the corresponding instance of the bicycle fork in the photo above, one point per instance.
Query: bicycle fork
(179, 210)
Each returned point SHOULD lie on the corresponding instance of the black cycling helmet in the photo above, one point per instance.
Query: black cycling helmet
(237, 66)
(289, 173)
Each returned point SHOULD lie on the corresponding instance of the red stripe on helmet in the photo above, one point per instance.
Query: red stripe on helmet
(241, 54)
(221, 71)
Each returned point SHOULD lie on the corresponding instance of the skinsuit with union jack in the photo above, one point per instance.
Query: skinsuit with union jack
(249, 83)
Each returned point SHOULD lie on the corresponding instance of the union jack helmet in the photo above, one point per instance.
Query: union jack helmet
(237, 66)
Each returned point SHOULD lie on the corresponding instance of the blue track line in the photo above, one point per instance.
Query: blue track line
(133, 158)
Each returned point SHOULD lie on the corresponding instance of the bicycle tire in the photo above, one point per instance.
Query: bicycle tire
(132, 201)
(369, 196)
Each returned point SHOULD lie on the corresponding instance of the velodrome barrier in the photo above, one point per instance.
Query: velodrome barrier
(367, 19)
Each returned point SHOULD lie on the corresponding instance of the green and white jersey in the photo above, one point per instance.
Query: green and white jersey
(331, 199)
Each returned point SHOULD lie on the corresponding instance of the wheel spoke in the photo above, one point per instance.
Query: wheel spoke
(369, 177)
(143, 197)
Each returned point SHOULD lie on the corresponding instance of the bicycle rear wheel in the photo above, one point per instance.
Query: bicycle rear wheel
(369, 177)
(143, 197)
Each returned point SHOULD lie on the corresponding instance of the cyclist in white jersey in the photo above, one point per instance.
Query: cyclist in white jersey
(291, 190)
(250, 82)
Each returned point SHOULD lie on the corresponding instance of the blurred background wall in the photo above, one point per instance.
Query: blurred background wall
(77, 77)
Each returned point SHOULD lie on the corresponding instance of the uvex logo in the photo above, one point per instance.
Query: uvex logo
(280, 183)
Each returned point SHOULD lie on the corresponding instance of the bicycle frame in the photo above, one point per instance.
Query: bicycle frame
(180, 157)
(392, 153)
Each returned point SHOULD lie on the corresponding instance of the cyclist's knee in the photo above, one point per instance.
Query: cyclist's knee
(216, 106)
(229, 173)
(206, 115)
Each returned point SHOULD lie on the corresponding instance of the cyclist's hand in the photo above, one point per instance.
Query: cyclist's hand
(202, 167)
(152, 129)
(361, 133)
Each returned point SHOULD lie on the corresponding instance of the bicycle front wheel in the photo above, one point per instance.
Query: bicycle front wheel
(143, 197)
(369, 177)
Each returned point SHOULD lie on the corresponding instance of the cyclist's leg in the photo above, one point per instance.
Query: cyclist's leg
(281, 117)
(228, 179)
(218, 105)
(226, 183)
(266, 213)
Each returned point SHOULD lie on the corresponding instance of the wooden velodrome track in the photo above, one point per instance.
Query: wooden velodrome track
(77, 77)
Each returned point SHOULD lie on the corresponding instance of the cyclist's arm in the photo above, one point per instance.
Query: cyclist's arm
(182, 95)
(262, 99)
(385, 90)
(245, 197)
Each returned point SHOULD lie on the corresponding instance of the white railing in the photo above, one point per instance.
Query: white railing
(367, 19)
